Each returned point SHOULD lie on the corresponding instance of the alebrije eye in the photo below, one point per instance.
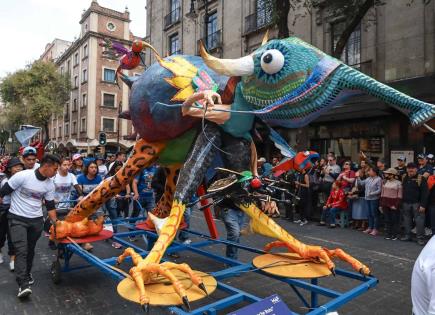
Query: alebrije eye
(272, 61)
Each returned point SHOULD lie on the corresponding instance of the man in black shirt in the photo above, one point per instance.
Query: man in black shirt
(415, 194)
(401, 167)
(423, 166)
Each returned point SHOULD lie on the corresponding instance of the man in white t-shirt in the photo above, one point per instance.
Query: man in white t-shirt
(29, 158)
(423, 281)
(28, 189)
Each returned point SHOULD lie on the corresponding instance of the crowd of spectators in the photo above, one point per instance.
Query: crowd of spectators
(371, 197)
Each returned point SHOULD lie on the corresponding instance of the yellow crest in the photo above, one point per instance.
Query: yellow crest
(183, 72)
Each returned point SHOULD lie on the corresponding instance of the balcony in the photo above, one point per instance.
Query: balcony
(172, 18)
(212, 41)
(259, 19)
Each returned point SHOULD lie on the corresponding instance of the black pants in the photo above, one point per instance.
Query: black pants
(25, 232)
(392, 221)
(4, 231)
(432, 217)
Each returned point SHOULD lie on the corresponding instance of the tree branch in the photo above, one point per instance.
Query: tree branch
(356, 19)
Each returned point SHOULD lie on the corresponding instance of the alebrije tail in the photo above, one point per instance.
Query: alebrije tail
(418, 111)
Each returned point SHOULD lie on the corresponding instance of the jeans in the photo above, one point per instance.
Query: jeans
(372, 206)
(392, 221)
(409, 212)
(5, 232)
(183, 236)
(333, 214)
(111, 209)
(233, 220)
(146, 204)
(25, 233)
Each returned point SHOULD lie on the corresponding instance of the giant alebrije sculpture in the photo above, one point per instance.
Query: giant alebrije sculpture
(285, 83)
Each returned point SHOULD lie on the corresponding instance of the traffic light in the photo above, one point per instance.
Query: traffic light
(102, 139)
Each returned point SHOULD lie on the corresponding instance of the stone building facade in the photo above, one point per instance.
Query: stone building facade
(96, 99)
(395, 44)
(55, 49)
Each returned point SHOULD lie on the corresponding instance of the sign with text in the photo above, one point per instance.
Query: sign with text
(273, 305)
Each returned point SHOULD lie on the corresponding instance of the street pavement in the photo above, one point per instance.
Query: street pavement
(89, 291)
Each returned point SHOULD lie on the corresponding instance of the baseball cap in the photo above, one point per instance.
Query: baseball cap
(430, 156)
(421, 156)
(29, 151)
(14, 161)
(411, 165)
(262, 159)
(402, 158)
(76, 156)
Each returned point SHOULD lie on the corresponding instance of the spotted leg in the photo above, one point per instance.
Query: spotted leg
(144, 154)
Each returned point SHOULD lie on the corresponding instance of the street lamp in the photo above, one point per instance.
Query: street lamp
(192, 13)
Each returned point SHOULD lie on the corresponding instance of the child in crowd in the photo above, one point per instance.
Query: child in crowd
(336, 202)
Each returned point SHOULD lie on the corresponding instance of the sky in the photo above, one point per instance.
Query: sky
(28, 25)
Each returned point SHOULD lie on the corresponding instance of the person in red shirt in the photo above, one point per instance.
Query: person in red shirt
(347, 176)
(336, 202)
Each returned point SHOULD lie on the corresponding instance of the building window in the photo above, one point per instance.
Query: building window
(84, 100)
(74, 127)
(108, 100)
(84, 75)
(66, 129)
(262, 17)
(76, 81)
(85, 51)
(68, 66)
(60, 131)
(351, 54)
(66, 115)
(54, 133)
(74, 109)
(61, 70)
(212, 33)
(83, 125)
(174, 45)
(175, 14)
(108, 125)
(109, 75)
(76, 59)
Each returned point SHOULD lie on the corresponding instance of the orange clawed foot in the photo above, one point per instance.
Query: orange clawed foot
(318, 253)
(143, 273)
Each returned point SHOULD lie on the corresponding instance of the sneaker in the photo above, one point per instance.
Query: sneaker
(24, 292)
(374, 232)
(388, 237)
(297, 221)
(52, 245)
(1, 258)
(321, 223)
(187, 242)
(303, 222)
(12, 265)
(368, 231)
(332, 226)
(30, 279)
(394, 238)
(116, 245)
(405, 239)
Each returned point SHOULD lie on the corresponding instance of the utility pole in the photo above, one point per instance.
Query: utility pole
(117, 125)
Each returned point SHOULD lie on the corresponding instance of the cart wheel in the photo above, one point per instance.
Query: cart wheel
(55, 272)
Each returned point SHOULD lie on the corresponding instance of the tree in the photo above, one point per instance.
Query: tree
(350, 12)
(34, 94)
